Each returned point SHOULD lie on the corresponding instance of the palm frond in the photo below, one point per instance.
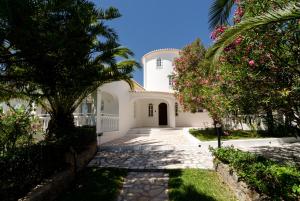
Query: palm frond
(290, 12)
(219, 12)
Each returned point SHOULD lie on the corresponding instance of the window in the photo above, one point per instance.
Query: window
(176, 109)
(102, 105)
(170, 81)
(150, 110)
(158, 63)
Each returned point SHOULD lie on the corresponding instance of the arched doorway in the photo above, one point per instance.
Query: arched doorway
(163, 114)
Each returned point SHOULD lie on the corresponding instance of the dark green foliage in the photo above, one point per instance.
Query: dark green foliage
(80, 138)
(59, 51)
(28, 166)
(96, 184)
(278, 181)
(219, 12)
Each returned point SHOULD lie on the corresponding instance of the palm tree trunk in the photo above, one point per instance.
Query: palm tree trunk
(61, 125)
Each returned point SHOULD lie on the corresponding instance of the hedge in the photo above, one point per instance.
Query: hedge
(278, 181)
(30, 165)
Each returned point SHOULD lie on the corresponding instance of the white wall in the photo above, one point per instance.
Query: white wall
(142, 119)
(111, 103)
(120, 90)
(157, 79)
(199, 119)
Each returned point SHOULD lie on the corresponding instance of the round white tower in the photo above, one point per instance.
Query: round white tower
(158, 66)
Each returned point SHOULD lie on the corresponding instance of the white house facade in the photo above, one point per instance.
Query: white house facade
(150, 106)
(115, 109)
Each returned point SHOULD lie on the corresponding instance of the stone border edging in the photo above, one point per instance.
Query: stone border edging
(190, 137)
(241, 190)
(50, 189)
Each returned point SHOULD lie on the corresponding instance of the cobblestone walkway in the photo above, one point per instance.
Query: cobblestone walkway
(158, 150)
(145, 186)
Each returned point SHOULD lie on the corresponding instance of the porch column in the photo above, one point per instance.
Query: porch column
(99, 98)
(172, 114)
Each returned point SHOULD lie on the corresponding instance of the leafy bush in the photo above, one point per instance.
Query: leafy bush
(27, 166)
(278, 181)
(17, 128)
(80, 138)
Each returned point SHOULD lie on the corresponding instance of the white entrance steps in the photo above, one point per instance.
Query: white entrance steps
(147, 131)
(150, 139)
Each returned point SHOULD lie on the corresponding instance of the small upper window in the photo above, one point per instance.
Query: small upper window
(150, 110)
(176, 109)
(170, 81)
(158, 63)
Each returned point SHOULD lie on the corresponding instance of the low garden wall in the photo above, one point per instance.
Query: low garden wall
(254, 177)
(241, 190)
(51, 188)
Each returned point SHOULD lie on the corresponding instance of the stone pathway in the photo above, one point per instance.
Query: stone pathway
(145, 186)
(159, 150)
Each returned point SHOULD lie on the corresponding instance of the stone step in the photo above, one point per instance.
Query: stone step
(147, 131)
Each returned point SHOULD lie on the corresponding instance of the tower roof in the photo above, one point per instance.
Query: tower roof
(174, 50)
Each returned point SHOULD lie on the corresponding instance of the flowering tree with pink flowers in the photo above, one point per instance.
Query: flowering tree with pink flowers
(194, 84)
(256, 74)
(260, 68)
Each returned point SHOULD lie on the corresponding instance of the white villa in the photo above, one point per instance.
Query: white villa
(116, 109)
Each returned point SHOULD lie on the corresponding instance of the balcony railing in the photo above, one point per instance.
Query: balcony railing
(79, 120)
(109, 122)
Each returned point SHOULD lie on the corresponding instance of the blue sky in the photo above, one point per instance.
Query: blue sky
(147, 25)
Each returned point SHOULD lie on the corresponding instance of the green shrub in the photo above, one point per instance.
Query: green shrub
(278, 181)
(80, 138)
(17, 128)
(28, 167)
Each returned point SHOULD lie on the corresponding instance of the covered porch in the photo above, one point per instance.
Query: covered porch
(153, 109)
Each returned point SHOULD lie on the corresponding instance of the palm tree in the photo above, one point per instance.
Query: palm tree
(59, 52)
(290, 12)
(219, 12)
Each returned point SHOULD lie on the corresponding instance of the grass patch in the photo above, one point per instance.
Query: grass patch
(96, 184)
(209, 134)
(195, 184)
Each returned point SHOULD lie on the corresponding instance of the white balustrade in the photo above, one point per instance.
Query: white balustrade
(79, 120)
(44, 120)
(109, 122)
(84, 119)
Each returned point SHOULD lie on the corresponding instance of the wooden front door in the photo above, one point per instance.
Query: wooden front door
(163, 114)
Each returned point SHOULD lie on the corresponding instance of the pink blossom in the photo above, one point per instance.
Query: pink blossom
(239, 12)
(238, 40)
(251, 63)
(217, 32)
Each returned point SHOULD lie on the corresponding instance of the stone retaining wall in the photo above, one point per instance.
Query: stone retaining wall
(50, 189)
(241, 190)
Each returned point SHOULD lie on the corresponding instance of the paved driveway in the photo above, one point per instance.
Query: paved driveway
(153, 149)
